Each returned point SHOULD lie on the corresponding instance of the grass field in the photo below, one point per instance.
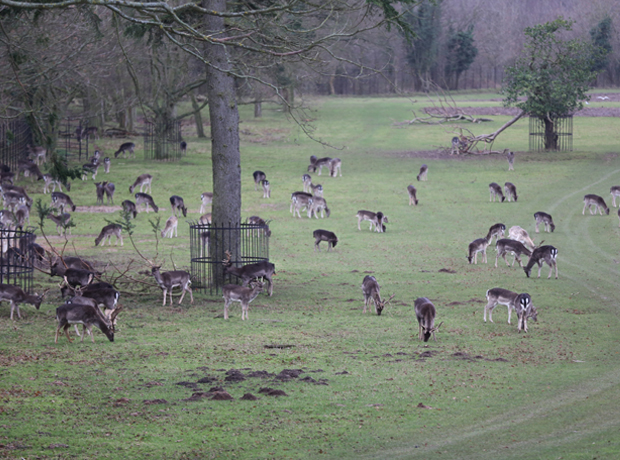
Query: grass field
(368, 387)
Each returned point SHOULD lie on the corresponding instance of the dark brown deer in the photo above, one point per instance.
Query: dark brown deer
(259, 176)
(425, 312)
(506, 245)
(260, 270)
(88, 316)
(126, 149)
(423, 173)
(371, 291)
(178, 206)
(15, 295)
(542, 254)
(412, 195)
(324, 235)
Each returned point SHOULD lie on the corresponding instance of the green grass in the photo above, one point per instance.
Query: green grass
(492, 393)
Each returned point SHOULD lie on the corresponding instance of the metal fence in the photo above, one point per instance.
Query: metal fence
(560, 140)
(15, 136)
(73, 139)
(16, 258)
(209, 243)
(162, 141)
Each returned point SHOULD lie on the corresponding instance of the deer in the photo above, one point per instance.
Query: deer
(300, 200)
(91, 131)
(615, 192)
(205, 219)
(29, 168)
(376, 220)
(15, 295)
(510, 156)
(496, 191)
(77, 277)
(50, 181)
(146, 200)
(257, 221)
(259, 176)
(511, 191)
(411, 190)
(177, 206)
(171, 279)
(109, 189)
(61, 200)
(130, 207)
(423, 173)
(525, 310)
(126, 149)
(594, 202)
(21, 215)
(100, 186)
(244, 295)
(62, 264)
(90, 168)
(103, 294)
(546, 219)
(106, 165)
(143, 180)
(335, 167)
(542, 254)
(61, 222)
(37, 153)
(266, 188)
(497, 231)
(425, 313)
(521, 235)
(107, 232)
(307, 180)
(318, 204)
(324, 235)
(206, 198)
(13, 199)
(318, 164)
(316, 190)
(260, 270)
(183, 147)
(88, 316)
(618, 217)
(455, 146)
(476, 246)
(171, 227)
(371, 291)
(6, 177)
(504, 246)
(512, 300)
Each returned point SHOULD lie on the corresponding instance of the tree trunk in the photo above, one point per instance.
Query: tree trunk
(551, 138)
(200, 130)
(258, 109)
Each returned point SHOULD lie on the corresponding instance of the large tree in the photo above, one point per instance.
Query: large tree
(551, 77)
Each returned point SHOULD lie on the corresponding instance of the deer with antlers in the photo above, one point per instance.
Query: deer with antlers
(259, 270)
(425, 313)
(371, 291)
(169, 280)
(15, 295)
(88, 316)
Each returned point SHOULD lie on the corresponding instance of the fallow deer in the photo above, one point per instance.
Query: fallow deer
(22, 215)
(61, 222)
(259, 176)
(109, 189)
(103, 294)
(497, 231)
(319, 164)
(266, 188)
(615, 192)
(521, 235)
(542, 254)
(171, 279)
(335, 167)
(205, 199)
(15, 295)
(376, 220)
(88, 316)
(146, 200)
(171, 227)
(62, 264)
(307, 180)
(130, 207)
(546, 219)
(183, 147)
(496, 191)
(300, 200)
(177, 206)
(244, 295)
(512, 300)
(77, 277)
(106, 165)
(594, 202)
(423, 173)
(37, 154)
(476, 246)
(90, 168)
(205, 219)
(261, 223)
(510, 156)
(107, 232)
(515, 247)
(61, 200)
(371, 291)
(128, 148)
(316, 190)
(318, 204)
(50, 181)
(143, 180)
(100, 191)
(412, 195)
(525, 310)
(260, 270)
(324, 235)
(425, 313)
(511, 191)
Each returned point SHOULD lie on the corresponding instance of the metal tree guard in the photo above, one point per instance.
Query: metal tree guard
(16, 258)
(162, 141)
(207, 252)
(15, 136)
(562, 132)
(76, 142)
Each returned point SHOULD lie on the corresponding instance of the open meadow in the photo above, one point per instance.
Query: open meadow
(356, 385)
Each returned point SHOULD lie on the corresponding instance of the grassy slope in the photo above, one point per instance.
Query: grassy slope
(555, 395)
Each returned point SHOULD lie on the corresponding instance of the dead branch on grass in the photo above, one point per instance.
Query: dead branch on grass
(471, 140)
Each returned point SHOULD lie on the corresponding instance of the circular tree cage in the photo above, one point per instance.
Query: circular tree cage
(15, 136)
(16, 258)
(209, 244)
(551, 134)
(162, 141)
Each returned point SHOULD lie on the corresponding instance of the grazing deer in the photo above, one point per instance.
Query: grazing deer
(177, 206)
(546, 219)
(130, 207)
(317, 190)
(261, 270)
(376, 220)
(510, 156)
(615, 192)
(171, 227)
(497, 231)
(146, 200)
(107, 232)
(50, 181)
(425, 312)
(244, 295)
(476, 246)
(15, 295)
(103, 294)
(525, 310)
(169, 280)
(324, 235)
(511, 191)
(423, 173)
(521, 235)
(206, 198)
(319, 164)
(594, 202)
(255, 220)
(143, 180)
(496, 191)
(515, 247)
(61, 200)
(61, 222)
(512, 300)
(307, 180)
(37, 153)
(300, 200)
(259, 176)
(61, 265)
(266, 188)
(106, 165)
(543, 254)
(183, 147)
(371, 291)
(205, 219)
(128, 148)
(412, 195)
(88, 316)
(29, 168)
(335, 167)
(318, 204)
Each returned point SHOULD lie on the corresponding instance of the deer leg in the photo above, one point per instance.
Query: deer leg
(165, 292)
(226, 303)
(489, 307)
(66, 327)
